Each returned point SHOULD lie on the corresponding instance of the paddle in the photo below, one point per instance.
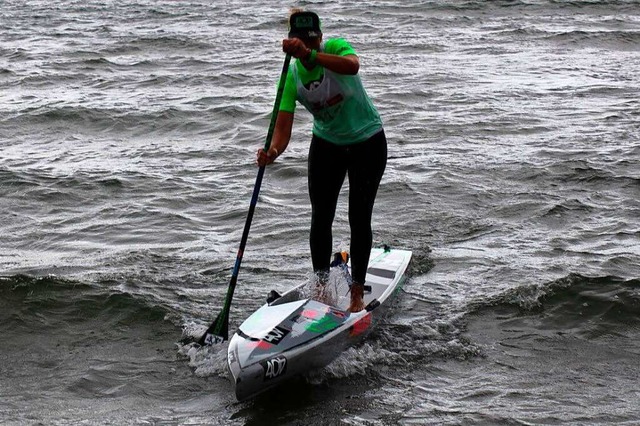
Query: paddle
(218, 331)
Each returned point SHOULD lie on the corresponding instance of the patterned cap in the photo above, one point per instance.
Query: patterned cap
(304, 25)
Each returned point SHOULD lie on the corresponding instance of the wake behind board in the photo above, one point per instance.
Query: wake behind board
(294, 334)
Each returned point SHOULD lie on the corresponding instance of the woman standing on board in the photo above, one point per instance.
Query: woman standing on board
(348, 138)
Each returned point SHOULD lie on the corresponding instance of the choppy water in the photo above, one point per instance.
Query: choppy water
(127, 139)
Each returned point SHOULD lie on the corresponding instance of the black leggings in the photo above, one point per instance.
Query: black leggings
(328, 165)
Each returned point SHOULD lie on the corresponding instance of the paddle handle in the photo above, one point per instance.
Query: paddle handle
(219, 329)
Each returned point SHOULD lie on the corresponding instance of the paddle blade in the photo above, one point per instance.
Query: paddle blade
(217, 332)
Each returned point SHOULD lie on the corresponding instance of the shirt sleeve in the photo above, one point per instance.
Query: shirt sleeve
(339, 46)
(289, 95)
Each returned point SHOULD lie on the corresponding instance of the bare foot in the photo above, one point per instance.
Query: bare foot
(357, 297)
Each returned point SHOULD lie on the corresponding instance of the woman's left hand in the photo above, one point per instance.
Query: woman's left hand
(295, 47)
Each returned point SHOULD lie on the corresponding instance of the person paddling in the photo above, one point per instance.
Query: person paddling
(347, 139)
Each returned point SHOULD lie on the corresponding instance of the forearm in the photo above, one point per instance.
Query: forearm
(279, 141)
(348, 64)
(282, 132)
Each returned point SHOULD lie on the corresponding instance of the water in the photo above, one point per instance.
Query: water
(127, 138)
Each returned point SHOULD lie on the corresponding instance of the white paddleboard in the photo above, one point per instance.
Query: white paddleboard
(294, 334)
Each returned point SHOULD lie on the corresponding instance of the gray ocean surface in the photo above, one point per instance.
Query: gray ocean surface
(128, 132)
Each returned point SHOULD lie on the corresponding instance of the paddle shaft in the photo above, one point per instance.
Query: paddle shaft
(219, 329)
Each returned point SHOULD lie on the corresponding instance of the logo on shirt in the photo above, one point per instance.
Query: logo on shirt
(313, 85)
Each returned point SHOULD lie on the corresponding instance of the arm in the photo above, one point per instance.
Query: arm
(348, 64)
(280, 141)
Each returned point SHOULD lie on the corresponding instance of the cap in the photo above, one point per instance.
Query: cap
(304, 25)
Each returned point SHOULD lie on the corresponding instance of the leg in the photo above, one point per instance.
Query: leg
(367, 163)
(327, 170)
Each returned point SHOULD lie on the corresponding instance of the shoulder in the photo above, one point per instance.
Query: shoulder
(338, 46)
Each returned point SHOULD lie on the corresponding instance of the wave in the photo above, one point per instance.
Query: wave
(472, 6)
(43, 182)
(568, 206)
(581, 172)
(122, 120)
(16, 54)
(624, 40)
(63, 306)
(176, 43)
(584, 306)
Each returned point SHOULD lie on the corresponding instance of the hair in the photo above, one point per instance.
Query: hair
(295, 10)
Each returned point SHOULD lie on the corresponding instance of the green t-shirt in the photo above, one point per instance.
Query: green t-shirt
(342, 111)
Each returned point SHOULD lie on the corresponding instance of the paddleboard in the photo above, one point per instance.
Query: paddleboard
(293, 333)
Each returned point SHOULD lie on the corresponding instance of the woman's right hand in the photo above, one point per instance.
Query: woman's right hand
(265, 158)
